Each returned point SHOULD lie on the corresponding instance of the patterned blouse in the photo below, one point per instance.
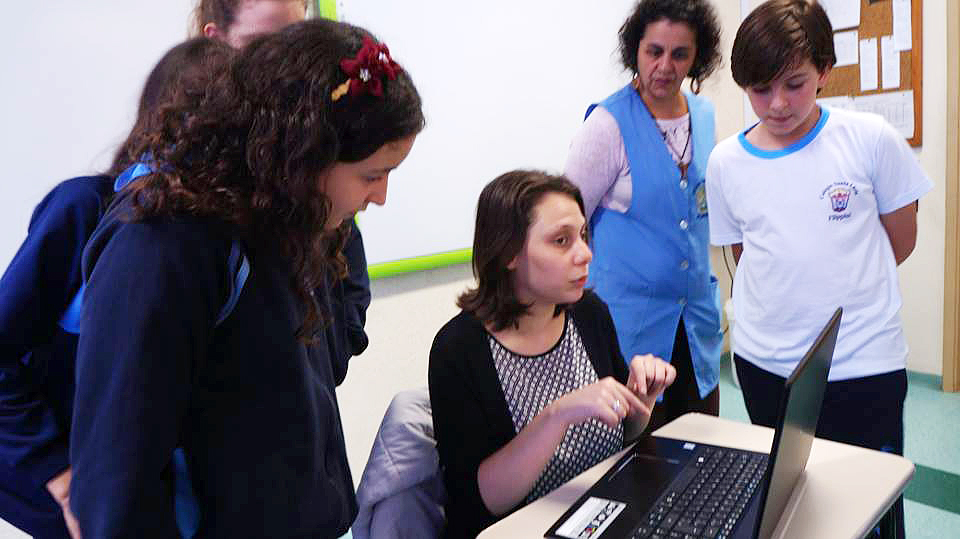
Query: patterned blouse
(530, 383)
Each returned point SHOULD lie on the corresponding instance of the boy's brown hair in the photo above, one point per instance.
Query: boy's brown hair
(779, 35)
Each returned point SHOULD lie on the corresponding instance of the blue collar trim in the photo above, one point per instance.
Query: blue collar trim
(131, 173)
(795, 147)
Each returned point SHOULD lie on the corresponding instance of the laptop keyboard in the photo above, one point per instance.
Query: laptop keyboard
(708, 497)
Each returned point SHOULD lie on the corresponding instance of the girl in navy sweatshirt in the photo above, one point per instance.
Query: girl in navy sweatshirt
(300, 135)
(38, 339)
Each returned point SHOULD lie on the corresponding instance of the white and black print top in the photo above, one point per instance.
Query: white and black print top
(676, 135)
(530, 383)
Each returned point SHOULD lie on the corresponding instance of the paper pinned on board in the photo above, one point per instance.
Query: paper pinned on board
(842, 13)
(845, 47)
(902, 29)
(868, 64)
(896, 107)
(837, 102)
(889, 63)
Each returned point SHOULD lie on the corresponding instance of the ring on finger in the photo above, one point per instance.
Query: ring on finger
(616, 406)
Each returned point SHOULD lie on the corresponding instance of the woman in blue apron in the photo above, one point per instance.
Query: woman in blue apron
(639, 158)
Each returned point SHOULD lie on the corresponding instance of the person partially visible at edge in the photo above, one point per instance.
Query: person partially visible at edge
(819, 206)
(37, 347)
(639, 159)
(527, 384)
(300, 134)
(237, 22)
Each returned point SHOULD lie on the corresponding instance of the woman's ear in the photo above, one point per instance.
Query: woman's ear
(512, 265)
(211, 31)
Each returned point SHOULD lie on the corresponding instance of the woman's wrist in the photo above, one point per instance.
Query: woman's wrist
(555, 416)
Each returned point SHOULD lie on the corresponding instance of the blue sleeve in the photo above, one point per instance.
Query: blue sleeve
(149, 309)
(34, 291)
(349, 299)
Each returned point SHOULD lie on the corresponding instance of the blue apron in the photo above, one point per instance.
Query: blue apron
(651, 265)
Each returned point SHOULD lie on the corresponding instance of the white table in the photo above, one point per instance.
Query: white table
(841, 495)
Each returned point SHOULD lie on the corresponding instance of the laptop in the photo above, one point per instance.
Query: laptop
(667, 488)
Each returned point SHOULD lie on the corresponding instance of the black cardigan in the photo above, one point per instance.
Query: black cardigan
(470, 414)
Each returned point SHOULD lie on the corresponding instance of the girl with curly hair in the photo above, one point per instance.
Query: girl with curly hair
(639, 158)
(301, 133)
(237, 23)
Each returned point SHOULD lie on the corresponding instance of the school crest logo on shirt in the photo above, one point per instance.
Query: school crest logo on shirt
(838, 194)
(701, 197)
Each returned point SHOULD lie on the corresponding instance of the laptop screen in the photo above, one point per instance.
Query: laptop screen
(799, 411)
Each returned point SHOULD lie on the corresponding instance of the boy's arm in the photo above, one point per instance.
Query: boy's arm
(901, 228)
(898, 182)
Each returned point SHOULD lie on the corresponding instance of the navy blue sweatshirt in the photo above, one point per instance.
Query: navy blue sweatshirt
(36, 356)
(254, 408)
(349, 299)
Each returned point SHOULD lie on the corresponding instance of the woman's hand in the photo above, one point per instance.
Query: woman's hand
(607, 400)
(649, 377)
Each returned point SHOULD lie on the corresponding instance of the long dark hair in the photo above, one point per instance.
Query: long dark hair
(251, 154)
(504, 213)
(181, 76)
(699, 15)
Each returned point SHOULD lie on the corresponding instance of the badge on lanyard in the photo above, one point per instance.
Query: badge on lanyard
(701, 196)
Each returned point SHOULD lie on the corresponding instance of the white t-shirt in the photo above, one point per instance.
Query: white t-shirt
(808, 219)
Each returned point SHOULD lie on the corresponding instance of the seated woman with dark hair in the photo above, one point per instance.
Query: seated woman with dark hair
(527, 384)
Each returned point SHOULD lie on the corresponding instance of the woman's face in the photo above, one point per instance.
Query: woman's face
(258, 17)
(664, 58)
(352, 186)
(553, 266)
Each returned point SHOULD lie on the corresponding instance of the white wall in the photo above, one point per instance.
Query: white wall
(505, 84)
(71, 76)
(921, 276)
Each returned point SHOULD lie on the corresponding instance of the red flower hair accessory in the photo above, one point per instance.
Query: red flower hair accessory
(366, 70)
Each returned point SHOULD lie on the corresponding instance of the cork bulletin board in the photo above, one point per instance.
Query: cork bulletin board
(876, 25)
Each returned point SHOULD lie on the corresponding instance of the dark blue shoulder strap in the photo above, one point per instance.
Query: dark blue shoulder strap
(237, 265)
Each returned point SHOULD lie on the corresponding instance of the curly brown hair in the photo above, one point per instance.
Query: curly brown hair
(249, 156)
(181, 76)
(699, 15)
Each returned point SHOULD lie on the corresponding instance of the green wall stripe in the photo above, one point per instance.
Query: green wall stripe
(935, 488)
(420, 263)
(327, 9)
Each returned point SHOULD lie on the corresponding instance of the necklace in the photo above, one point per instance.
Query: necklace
(680, 155)
(666, 139)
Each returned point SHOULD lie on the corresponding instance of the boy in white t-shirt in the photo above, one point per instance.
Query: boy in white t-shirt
(819, 207)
